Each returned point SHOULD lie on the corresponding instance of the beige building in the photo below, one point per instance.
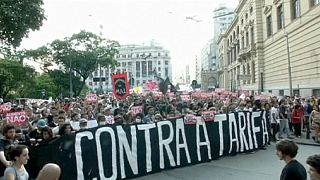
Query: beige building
(254, 53)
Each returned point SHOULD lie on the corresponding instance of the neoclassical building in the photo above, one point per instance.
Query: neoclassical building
(264, 37)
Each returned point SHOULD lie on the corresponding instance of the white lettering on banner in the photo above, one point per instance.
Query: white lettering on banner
(183, 145)
(146, 128)
(17, 118)
(113, 150)
(165, 143)
(78, 152)
(265, 135)
(254, 128)
(249, 130)
(206, 142)
(220, 118)
(130, 152)
(233, 128)
(242, 127)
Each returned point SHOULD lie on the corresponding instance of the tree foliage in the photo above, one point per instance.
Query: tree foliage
(15, 78)
(82, 53)
(17, 18)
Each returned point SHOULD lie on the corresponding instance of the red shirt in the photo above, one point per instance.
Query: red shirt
(297, 116)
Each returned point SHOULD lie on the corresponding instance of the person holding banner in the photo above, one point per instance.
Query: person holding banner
(9, 135)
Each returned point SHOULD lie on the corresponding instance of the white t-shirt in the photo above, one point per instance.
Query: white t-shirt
(55, 131)
(276, 114)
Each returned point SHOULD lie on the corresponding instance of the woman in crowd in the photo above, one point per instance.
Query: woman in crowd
(19, 155)
(297, 119)
(65, 129)
(315, 119)
(47, 135)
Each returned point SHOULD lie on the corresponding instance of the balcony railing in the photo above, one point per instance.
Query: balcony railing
(247, 51)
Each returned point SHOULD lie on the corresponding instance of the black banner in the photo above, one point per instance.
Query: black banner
(118, 152)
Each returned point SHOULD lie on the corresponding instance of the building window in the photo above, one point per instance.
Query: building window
(253, 72)
(314, 2)
(150, 68)
(159, 68)
(280, 15)
(166, 72)
(242, 42)
(124, 64)
(137, 69)
(247, 39)
(295, 9)
(159, 54)
(159, 62)
(281, 92)
(296, 92)
(129, 63)
(269, 26)
(144, 69)
(95, 83)
(316, 92)
(101, 72)
(251, 10)
(252, 35)
(246, 15)
(166, 62)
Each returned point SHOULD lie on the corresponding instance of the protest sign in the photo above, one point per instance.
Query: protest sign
(208, 115)
(121, 86)
(190, 119)
(92, 98)
(136, 109)
(17, 118)
(109, 119)
(4, 108)
(185, 97)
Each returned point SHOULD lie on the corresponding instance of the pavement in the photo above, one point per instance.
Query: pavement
(261, 165)
(304, 141)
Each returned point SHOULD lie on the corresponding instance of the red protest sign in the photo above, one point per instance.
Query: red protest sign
(190, 119)
(92, 98)
(136, 109)
(17, 118)
(4, 108)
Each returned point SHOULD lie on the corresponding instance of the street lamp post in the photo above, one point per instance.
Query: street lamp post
(289, 66)
(70, 79)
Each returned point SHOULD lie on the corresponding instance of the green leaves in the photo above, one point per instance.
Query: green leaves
(17, 18)
(14, 77)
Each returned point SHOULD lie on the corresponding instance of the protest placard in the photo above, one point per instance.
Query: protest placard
(136, 109)
(92, 98)
(17, 118)
(4, 108)
(190, 119)
(208, 115)
(109, 120)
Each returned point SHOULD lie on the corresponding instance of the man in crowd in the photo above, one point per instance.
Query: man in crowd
(9, 135)
(294, 170)
(149, 118)
(314, 169)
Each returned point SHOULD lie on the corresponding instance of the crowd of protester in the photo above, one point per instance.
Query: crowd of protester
(288, 117)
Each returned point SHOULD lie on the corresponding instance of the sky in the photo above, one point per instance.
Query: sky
(134, 22)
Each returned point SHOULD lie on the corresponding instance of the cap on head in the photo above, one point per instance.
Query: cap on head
(42, 123)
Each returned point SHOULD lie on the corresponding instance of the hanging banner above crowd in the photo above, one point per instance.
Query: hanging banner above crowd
(127, 151)
(121, 85)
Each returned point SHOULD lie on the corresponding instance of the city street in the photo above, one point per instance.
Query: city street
(262, 165)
